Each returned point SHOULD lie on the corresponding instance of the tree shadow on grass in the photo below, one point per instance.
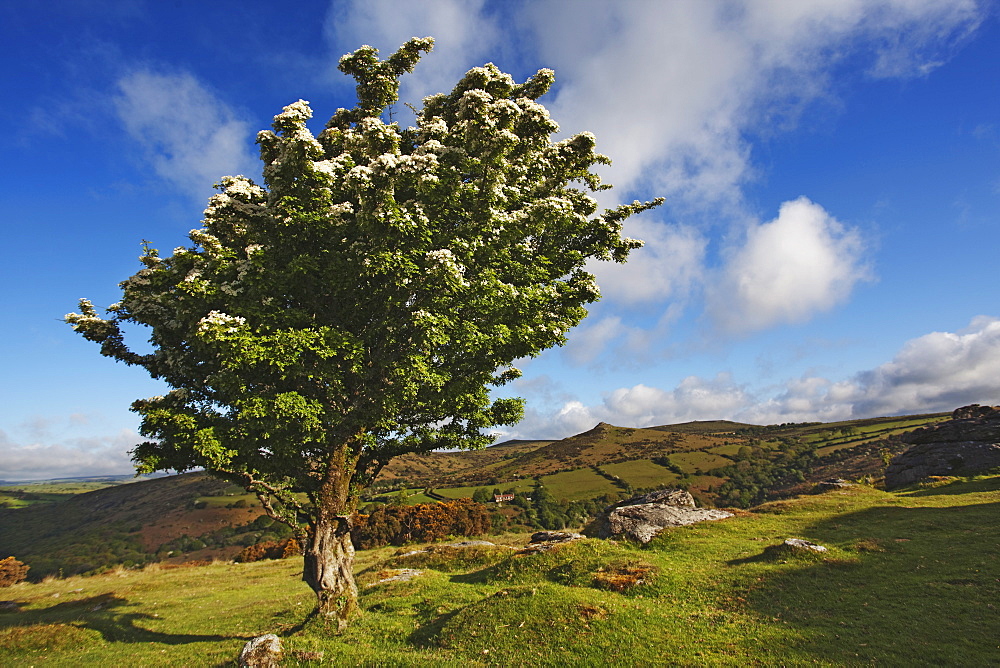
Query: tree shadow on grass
(905, 586)
(428, 635)
(106, 614)
(955, 487)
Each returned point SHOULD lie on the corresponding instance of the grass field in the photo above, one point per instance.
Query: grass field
(467, 491)
(12, 498)
(641, 473)
(729, 450)
(226, 500)
(29, 494)
(578, 485)
(910, 579)
(692, 461)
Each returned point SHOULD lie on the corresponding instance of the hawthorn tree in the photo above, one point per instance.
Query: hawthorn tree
(363, 301)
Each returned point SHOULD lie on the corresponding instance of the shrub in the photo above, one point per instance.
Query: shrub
(269, 550)
(423, 522)
(623, 575)
(12, 571)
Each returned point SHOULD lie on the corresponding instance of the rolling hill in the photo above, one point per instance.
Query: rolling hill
(193, 516)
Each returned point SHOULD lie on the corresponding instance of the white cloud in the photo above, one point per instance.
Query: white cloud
(189, 136)
(693, 399)
(638, 406)
(464, 37)
(671, 88)
(74, 457)
(667, 267)
(937, 372)
(801, 263)
(933, 373)
(588, 341)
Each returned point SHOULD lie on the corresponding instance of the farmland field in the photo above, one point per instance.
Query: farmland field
(641, 473)
(692, 461)
(579, 484)
(727, 450)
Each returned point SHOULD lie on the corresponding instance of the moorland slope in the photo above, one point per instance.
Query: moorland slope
(910, 578)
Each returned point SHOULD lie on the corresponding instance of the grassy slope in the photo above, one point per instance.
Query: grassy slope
(432, 467)
(116, 523)
(911, 579)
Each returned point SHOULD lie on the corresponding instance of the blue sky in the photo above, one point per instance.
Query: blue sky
(832, 170)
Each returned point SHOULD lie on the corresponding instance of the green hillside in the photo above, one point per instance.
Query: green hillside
(910, 579)
(192, 517)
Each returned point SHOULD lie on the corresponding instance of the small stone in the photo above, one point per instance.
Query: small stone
(261, 652)
(399, 575)
(303, 655)
(554, 536)
(802, 544)
(832, 483)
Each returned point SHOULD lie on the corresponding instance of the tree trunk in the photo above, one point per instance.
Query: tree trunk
(329, 568)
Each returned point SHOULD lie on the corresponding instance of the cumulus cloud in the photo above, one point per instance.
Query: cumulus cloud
(937, 372)
(801, 263)
(189, 136)
(73, 457)
(933, 373)
(693, 399)
(668, 266)
(671, 88)
(639, 406)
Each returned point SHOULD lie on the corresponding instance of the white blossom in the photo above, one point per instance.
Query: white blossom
(434, 127)
(241, 185)
(360, 175)
(220, 322)
(206, 240)
(215, 203)
(431, 146)
(473, 101)
(297, 112)
(341, 209)
(385, 162)
(445, 259)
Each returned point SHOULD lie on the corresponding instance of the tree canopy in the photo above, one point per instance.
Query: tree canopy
(364, 300)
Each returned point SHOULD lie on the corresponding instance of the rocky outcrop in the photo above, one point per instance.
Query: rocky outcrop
(643, 517)
(968, 443)
(831, 484)
(554, 537)
(543, 541)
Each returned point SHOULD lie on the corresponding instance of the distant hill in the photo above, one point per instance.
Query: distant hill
(705, 427)
(194, 516)
(105, 480)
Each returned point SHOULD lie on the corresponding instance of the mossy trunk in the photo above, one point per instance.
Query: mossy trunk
(329, 569)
